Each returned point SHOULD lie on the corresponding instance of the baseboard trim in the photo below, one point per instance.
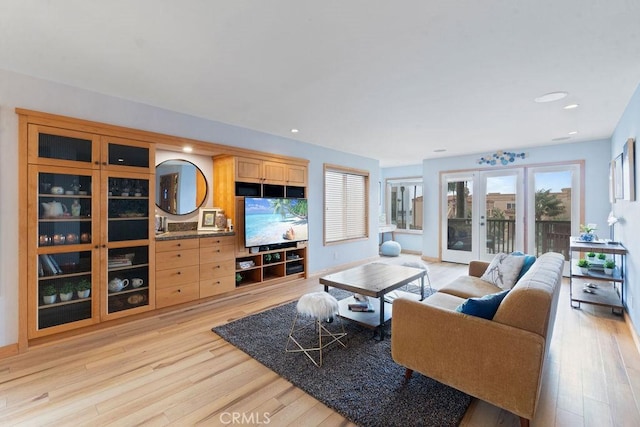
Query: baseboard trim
(632, 330)
(8, 350)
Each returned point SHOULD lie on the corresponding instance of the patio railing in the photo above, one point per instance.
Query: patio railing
(550, 236)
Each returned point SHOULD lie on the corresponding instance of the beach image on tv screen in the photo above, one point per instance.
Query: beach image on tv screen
(270, 221)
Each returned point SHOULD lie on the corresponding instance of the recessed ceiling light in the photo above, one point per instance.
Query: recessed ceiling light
(571, 106)
(439, 150)
(573, 132)
(187, 149)
(561, 138)
(552, 96)
(294, 130)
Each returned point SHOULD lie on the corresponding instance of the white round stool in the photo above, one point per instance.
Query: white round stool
(317, 309)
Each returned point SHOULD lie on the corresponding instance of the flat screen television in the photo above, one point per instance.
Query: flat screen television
(274, 221)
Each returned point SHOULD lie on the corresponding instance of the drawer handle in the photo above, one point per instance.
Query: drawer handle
(179, 244)
(217, 266)
(179, 290)
(179, 255)
(179, 273)
(218, 250)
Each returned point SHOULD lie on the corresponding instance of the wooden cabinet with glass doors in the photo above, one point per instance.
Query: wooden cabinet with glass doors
(89, 237)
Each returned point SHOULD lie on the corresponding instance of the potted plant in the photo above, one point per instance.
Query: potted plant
(267, 258)
(275, 257)
(49, 294)
(586, 232)
(238, 278)
(591, 256)
(609, 265)
(66, 291)
(83, 288)
(584, 266)
(601, 258)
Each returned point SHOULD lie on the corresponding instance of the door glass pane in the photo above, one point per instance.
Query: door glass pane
(553, 212)
(459, 215)
(500, 201)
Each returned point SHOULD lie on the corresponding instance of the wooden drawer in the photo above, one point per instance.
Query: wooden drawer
(174, 245)
(177, 295)
(212, 270)
(217, 253)
(173, 259)
(177, 276)
(217, 286)
(206, 242)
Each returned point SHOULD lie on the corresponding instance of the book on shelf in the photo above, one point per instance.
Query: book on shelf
(361, 303)
(48, 267)
(119, 262)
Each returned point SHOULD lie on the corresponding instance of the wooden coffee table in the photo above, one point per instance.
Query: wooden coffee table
(374, 280)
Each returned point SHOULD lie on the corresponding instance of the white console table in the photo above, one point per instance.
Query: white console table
(386, 228)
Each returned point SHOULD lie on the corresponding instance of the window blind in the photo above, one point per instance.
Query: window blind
(345, 201)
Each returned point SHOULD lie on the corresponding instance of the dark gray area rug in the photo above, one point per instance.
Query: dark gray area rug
(361, 381)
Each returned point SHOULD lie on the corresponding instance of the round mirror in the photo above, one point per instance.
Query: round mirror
(181, 187)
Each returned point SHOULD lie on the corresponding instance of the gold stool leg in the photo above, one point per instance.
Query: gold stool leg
(322, 332)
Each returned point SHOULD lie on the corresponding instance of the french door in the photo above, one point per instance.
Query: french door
(530, 209)
(483, 214)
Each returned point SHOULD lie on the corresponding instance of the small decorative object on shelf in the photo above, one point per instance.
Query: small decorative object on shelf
(591, 256)
(49, 294)
(83, 288)
(584, 266)
(75, 208)
(609, 265)
(66, 291)
(586, 232)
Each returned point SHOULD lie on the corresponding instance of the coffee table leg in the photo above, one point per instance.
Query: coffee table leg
(422, 288)
(381, 327)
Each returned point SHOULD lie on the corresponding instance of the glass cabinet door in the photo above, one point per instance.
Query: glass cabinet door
(128, 231)
(63, 258)
(63, 147)
(127, 155)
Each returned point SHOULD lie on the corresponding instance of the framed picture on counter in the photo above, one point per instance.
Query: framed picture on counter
(207, 219)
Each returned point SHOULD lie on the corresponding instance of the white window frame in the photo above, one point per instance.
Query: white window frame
(342, 221)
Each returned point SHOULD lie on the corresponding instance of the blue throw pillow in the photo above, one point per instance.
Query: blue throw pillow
(484, 307)
(528, 262)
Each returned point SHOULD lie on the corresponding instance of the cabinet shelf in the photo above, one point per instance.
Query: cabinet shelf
(74, 300)
(129, 291)
(127, 267)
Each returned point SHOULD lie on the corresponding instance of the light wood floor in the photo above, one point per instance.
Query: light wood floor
(172, 370)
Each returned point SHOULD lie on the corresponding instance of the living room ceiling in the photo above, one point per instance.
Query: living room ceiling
(392, 80)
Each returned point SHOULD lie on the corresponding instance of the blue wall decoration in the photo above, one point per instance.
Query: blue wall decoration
(500, 158)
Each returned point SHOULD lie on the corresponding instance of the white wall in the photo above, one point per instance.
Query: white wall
(628, 229)
(26, 92)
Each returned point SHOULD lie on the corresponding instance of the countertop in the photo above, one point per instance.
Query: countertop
(191, 234)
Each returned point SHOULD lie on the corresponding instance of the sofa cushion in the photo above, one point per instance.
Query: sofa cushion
(469, 287)
(442, 300)
(528, 262)
(484, 307)
(503, 270)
